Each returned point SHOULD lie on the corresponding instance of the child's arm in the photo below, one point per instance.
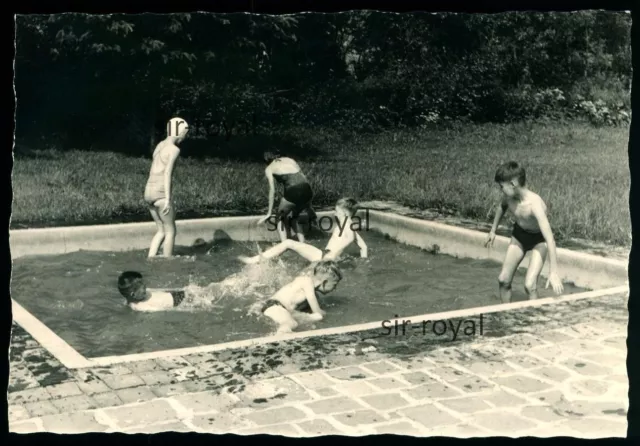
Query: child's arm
(310, 294)
(168, 175)
(272, 193)
(545, 228)
(500, 210)
(364, 250)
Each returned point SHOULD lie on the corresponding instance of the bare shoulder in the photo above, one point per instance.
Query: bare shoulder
(536, 201)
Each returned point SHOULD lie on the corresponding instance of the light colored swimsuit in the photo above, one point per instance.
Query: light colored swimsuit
(154, 190)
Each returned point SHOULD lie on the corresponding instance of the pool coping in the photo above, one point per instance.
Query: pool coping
(400, 228)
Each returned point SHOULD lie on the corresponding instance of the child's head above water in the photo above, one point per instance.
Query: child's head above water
(327, 275)
(510, 176)
(347, 206)
(132, 287)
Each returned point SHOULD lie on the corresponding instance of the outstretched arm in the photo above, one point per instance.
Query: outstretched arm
(545, 229)
(310, 294)
(500, 210)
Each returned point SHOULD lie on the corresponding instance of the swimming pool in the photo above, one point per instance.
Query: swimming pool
(75, 296)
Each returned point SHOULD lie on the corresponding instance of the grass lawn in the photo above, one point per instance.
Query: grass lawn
(580, 171)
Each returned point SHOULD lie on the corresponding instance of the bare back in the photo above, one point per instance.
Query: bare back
(284, 166)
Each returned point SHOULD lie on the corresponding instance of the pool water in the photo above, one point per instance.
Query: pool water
(76, 295)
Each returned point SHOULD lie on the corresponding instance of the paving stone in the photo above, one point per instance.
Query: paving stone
(552, 353)
(174, 426)
(449, 374)
(170, 389)
(443, 356)
(117, 369)
(550, 397)
(207, 401)
(197, 358)
(555, 336)
(522, 383)
(212, 367)
(24, 427)
(489, 369)
(64, 390)
(500, 398)
(620, 379)
(598, 426)
(349, 373)
(135, 394)
(399, 428)
(41, 408)
(156, 377)
(466, 404)
(385, 401)
(459, 431)
(220, 423)
(472, 384)
(17, 412)
(319, 427)
(71, 423)
(429, 416)
(599, 409)
(546, 414)
(170, 363)
(520, 342)
(413, 362)
(94, 386)
(74, 403)
(355, 388)
(388, 383)
(117, 382)
(552, 373)
(28, 396)
(334, 405)
(381, 367)
(416, 378)
(286, 430)
(21, 378)
(138, 367)
(589, 387)
(326, 392)
(106, 399)
(503, 423)
(359, 417)
(587, 368)
(525, 361)
(578, 346)
(273, 392)
(433, 390)
(616, 342)
(275, 416)
(313, 380)
(231, 381)
(139, 414)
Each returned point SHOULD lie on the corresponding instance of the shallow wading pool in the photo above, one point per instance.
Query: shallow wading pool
(64, 280)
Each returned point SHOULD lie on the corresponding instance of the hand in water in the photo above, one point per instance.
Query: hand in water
(490, 239)
(555, 282)
(166, 208)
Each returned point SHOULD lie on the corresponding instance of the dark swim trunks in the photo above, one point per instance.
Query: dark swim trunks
(527, 239)
(270, 303)
(178, 297)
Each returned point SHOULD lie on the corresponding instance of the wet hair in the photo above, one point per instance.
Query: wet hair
(328, 267)
(128, 283)
(271, 155)
(348, 204)
(508, 171)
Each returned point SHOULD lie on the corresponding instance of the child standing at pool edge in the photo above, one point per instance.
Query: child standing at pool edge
(158, 191)
(531, 232)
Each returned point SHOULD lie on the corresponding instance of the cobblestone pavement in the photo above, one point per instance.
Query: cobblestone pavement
(557, 370)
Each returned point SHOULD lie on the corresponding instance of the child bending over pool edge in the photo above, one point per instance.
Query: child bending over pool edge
(342, 236)
(531, 232)
(281, 308)
(133, 288)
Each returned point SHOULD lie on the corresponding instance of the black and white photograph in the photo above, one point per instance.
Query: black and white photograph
(308, 224)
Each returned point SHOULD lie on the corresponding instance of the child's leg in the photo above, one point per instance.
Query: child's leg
(286, 323)
(169, 225)
(538, 255)
(159, 237)
(284, 210)
(309, 252)
(512, 259)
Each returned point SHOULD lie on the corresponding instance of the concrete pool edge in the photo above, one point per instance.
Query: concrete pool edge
(72, 359)
(586, 270)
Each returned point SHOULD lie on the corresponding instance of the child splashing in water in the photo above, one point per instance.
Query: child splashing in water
(531, 232)
(158, 191)
(283, 307)
(343, 235)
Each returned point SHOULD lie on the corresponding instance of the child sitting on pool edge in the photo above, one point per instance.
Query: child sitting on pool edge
(284, 306)
(343, 235)
(531, 232)
(132, 287)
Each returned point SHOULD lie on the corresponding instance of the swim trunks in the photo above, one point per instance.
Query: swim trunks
(178, 297)
(527, 239)
(271, 303)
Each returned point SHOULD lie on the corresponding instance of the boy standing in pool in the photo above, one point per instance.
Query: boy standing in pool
(283, 307)
(343, 235)
(531, 232)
